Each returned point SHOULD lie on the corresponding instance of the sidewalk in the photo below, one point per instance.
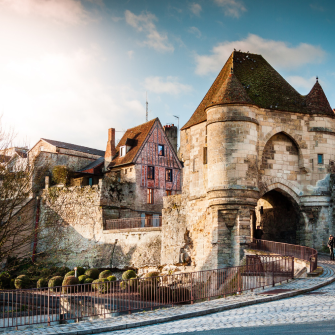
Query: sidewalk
(295, 287)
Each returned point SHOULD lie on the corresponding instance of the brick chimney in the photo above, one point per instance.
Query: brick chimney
(110, 150)
(171, 132)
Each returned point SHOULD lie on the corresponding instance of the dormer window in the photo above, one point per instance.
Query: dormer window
(123, 151)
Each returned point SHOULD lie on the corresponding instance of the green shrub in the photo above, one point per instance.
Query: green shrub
(12, 284)
(154, 277)
(101, 285)
(82, 279)
(70, 280)
(22, 282)
(42, 282)
(80, 271)
(92, 273)
(70, 273)
(4, 280)
(55, 281)
(181, 295)
(151, 274)
(62, 271)
(133, 284)
(105, 274)
(123, 285)
(88, 281)
(61, 174)
(45, 273)
(129, 274)
(111, 278)
(164, 294)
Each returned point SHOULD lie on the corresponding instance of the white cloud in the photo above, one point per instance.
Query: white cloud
(301, 84)
(195, 31)
(170, 85)
(61, 11)
(130, 54)
(145, 23)
(277, 53)
(195, 9)
(232, 8)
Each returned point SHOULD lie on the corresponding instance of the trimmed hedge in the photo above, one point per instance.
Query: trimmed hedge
(101, 285)
(55, 281)
(92, 273)
(105, 274)
(82, 279)
(88, 281)
(129, 274)
(69, 274)
(42, 282)
(70, 280)
(111, 278)
(22, 282)
(80, 271)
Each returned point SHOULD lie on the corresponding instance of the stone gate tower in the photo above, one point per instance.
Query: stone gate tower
(255, 152)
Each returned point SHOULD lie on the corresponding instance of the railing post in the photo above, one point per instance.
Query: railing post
(48, 307)
(273, 274)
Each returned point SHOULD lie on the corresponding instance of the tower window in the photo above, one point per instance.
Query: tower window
(320, 158)
(205, 155)
(151, 172)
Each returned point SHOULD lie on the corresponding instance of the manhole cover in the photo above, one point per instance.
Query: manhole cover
(279, 290)
(314, 293)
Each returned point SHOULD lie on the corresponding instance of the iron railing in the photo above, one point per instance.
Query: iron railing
(133, 223)
(285, 249)
(59, 304)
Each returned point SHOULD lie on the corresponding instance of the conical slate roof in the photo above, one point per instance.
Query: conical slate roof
(231, 91)
(316, 100)
(264, 86)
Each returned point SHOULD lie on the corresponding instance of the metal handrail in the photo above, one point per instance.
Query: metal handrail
(286, 249)
(129, 223)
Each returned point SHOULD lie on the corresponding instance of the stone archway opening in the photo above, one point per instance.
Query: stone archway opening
(278, 215)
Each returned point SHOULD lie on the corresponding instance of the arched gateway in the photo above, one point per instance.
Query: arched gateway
(255, 151)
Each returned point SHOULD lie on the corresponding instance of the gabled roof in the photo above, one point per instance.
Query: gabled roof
(264, 86)
(136, 136)
(75, 147)
(93, 165)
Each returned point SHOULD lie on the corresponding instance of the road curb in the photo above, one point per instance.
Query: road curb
(194, 314)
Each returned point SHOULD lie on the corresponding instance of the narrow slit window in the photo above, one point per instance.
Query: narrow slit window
(205, 155)
(151, 172)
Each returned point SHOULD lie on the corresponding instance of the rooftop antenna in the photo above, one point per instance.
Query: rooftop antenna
(177, 117)
(146, 107)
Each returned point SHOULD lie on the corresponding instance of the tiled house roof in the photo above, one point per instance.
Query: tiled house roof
(231, 91)
(135, 138)
(265, 87)
(75, 147)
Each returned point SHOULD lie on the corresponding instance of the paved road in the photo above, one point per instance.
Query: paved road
(284, 316)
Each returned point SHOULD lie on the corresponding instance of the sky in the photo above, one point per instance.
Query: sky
(71, 69)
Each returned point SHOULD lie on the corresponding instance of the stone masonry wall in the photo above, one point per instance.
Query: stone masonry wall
(82, 239)
(250, 152)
